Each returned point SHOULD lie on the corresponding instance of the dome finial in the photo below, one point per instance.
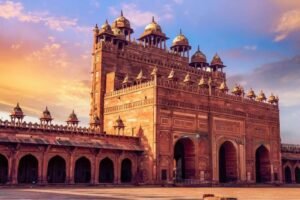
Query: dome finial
(180, 32)
(121, 13)
(198, 49)
(106, 22)
(153, 19)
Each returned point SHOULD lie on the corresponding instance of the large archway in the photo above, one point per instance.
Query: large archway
(106, 174)
(56, 172)
(297, 175)
(28, 170)
(3, 169)
(82, 170)
(126, 171)
(287, 175)
(262, 165)
(184, 156)
(228, 170)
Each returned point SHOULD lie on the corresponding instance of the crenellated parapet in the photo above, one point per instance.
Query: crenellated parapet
(58, 130)
(201, 84)
(290, 148)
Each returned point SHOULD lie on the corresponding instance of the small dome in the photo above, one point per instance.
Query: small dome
(251, 94)
(216, 60)
(223, 87)
(237, 90)
(261, 97)
(203, 83)
(198, 57)
(187, 78)
(46, 115)
(106, 28)
(140, 76)
(180, 40)
(17, 112)
(122, 22)
(126, 79)
(153, 27)
(272, 99)
(154, 71)
(171, 75)
(73, 118)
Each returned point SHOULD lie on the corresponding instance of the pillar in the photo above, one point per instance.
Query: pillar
(44, 168)
(14, 168)
(40, 168)
(242, 163)
(70, 169)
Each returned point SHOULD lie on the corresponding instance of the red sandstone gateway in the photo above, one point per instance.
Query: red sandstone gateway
(156, 117)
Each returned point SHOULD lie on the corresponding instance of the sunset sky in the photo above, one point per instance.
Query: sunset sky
(45, 49)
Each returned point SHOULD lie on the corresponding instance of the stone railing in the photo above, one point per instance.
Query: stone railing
(58, 129)
(179, 86)
(130, 88)
(290, 148)
(194, 88)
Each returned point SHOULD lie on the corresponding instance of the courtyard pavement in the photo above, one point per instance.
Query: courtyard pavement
(163, 193)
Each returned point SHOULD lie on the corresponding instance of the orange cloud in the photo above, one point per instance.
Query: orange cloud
(44, 73)
(289, 22)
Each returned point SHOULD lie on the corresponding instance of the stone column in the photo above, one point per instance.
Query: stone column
(117, 169)
(242, 175)
(293, 174)
(14, 168)
(40, 168)
(70, 169)
(44, 168)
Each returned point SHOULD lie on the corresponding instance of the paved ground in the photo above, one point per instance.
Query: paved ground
(173, 193)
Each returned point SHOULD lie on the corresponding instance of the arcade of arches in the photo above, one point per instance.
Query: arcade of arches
(291, 173)
(29, 170)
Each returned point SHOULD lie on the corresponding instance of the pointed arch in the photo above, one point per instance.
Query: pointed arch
(228, 170)
(287, 175)
(28, 169)
(3, 169)
(82, 173)
(56, 171)
(126, 171)
(184, 159)
(262, 165)
(106, 171)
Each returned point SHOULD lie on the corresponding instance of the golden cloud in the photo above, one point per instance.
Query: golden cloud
(289, 22)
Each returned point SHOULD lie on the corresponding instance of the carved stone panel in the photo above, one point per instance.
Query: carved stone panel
(223, 126)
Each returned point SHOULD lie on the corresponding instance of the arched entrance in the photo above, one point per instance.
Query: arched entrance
(126, 173)
(262, 165)
(227, 163)
(287, 175)
(56, 172)
(184, 156)
(82, 170)
(28, 170)
(106, 174)
(3, 169)
(297, 175)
